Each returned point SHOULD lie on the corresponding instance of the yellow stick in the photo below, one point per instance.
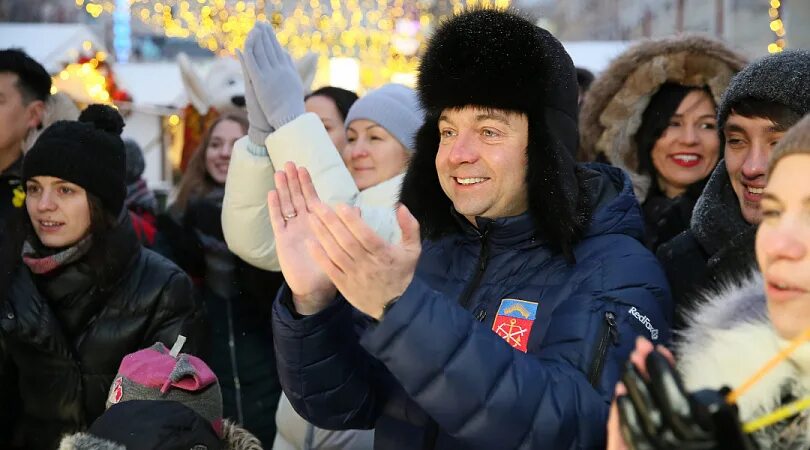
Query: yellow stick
(776, 415)
(732, 397)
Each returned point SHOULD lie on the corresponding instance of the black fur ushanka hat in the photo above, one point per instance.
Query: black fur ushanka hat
(499, 59)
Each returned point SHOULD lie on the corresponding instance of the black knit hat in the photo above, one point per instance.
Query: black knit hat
(500, 59)
(782, 78)
(88, 152)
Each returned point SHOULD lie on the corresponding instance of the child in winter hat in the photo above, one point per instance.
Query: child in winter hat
(158, 392)
(156, 373)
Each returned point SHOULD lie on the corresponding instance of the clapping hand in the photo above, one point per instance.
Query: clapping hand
(368, 271)
(290, 206)
(321, 249)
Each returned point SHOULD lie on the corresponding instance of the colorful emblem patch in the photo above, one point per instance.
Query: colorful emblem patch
(514, 322)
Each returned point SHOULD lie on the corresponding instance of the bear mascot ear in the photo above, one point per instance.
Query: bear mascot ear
(225, 85)
(195, 88)
(307, 66)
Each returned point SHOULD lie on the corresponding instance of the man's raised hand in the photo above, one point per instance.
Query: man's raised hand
(368, 271)
(290, 206)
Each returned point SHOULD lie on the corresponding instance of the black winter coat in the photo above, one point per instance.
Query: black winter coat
(65, 333)
(497, 343)
(12, 235)
(9, 183)
(11, 224)
(717, 247)
(665, 218)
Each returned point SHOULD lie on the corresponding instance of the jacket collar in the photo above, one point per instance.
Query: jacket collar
(615, 211)
(503, 232)
(717, 217)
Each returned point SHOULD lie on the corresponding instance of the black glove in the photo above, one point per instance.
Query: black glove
(659, 414)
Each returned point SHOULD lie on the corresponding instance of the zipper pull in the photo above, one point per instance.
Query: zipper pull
(613, 329)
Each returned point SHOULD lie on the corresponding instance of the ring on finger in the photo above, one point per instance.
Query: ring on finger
(290, 215)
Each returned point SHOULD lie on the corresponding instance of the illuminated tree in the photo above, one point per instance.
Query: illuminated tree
(384, 35)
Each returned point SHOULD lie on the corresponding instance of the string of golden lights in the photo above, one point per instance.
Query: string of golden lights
(777, 26)
(384, 35)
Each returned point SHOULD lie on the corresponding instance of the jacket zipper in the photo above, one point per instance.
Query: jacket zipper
(234, 366)
(466, 296)
(432, 428)
(609, 334)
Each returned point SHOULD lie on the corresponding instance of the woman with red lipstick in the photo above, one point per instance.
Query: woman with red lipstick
(735, 332)
(652, 113)
(87, 293)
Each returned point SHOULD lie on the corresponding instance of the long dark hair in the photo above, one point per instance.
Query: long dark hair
(655, 120)
(196, 182)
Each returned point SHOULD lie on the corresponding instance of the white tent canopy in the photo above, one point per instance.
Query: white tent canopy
(149, 83)
(594, 55)
(52, 44)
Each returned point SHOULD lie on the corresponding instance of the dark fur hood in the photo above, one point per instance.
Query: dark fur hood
(499, 59)
(613, 106)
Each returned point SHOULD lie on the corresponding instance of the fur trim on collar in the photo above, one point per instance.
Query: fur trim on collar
(613, 106)
(729, 338)
(238, 438)
(84, 441)
(729, 305)
(234, 437)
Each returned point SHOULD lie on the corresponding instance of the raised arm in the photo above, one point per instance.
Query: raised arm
(293, 137)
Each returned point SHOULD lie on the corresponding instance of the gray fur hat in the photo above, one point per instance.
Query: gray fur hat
(783, 78)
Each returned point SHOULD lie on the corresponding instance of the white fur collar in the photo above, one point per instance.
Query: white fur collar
(383, 195)
(730, 337)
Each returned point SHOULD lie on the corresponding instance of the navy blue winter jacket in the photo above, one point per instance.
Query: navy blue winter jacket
(498, 343)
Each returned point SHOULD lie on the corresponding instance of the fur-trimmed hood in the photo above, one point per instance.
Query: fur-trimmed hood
(234, 437)
(500, 59)
(728, 339)
(613, 106)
